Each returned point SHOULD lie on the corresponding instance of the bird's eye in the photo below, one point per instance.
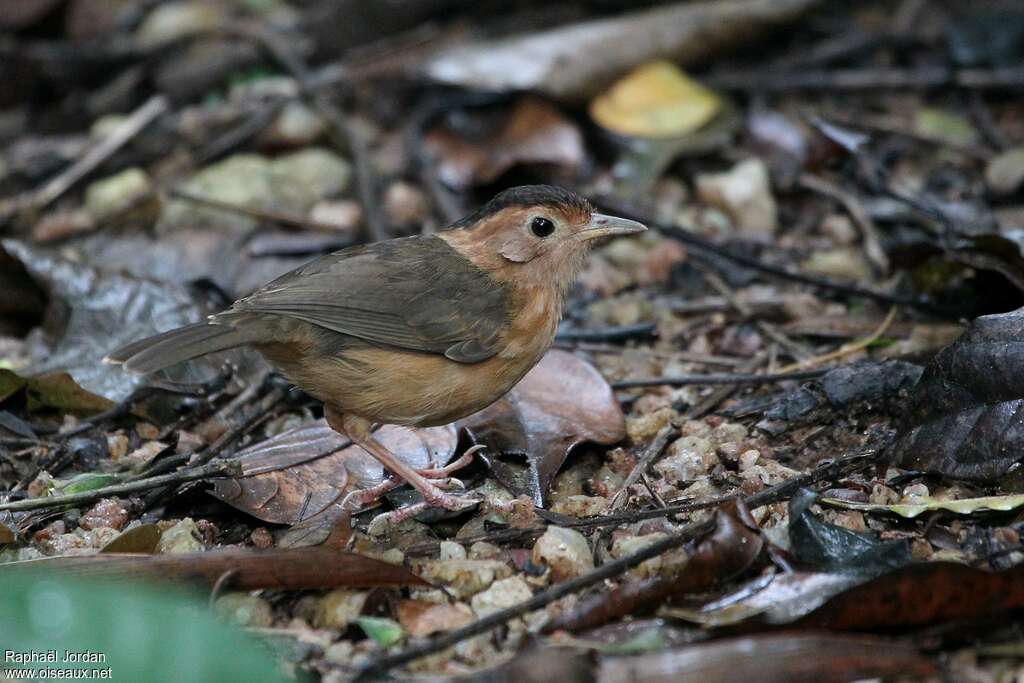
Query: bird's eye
(541, 227)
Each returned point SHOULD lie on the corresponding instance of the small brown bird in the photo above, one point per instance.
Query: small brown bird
(416, 331)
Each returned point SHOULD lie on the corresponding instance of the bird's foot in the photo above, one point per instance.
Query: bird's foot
(445, 500)
(432, 495)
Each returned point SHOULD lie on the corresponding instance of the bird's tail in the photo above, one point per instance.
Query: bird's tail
(170, 348)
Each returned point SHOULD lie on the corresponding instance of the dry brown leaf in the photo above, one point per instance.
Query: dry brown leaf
(533, 132)
(421, 618)
(561, 403)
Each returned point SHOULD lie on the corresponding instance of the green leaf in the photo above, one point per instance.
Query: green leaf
(140, 633)
(965, 506)
(90, 481)
(384, 632)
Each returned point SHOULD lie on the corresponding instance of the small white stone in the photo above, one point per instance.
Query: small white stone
(744, 192)
(565, 551)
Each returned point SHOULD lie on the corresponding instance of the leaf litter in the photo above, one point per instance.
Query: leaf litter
(789, 223)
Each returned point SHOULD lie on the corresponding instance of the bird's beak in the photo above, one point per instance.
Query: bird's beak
(601, 225)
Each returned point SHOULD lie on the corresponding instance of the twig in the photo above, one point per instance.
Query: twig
(610, 334)
(868, 230)
(921, 78)
(650, 454)
(720, 378)
(846, 349)
(831, 471)
(224, 468)
(128, 129)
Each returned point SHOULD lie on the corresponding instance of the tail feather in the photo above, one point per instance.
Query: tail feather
(170, 348)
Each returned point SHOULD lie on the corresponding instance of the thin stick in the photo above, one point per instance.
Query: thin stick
(720, 378)
(773, 494)
(650, 454)
(128, 129)
(225, 468)
(847, 349)
(868, 230)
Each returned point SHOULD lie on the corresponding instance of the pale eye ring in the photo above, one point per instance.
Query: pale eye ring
(542, 227)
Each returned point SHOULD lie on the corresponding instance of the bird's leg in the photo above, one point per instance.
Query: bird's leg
(358, 430)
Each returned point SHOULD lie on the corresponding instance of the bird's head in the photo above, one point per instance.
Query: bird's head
(535, 234)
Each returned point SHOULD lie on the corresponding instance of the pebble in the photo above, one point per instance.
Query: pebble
(174, 20)
(451, 550)
(686, 458)
(504, 593)
(182, 537)
(117, 193)
(744, 193)
(339, 608)
(565, 551)
(1005, 172)
(464, 577)
(108, 512)
(244, 609)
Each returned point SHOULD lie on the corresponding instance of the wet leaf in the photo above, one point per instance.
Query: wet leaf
(384, 632)
(774, 658)
(532, 132)
(141, 539)
(836, 548)
(300, 473)
(137, 629)
(965, 506)
(729, 550)
(656, 100)
(561, 403)
(965, 418)
(105, 310)
(285, 569)
(55, 391)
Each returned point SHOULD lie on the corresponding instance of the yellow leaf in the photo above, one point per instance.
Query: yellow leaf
(655, 100)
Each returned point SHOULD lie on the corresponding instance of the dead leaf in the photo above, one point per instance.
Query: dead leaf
(965, 416)
(818, 657)
(656, 100)
(140, 539)
(421, 618)
(532, 132)
(7, 535)
(578, 60)
(54, 391)
(300, 473)
(964, 506)
(283, 569)
(561, 403)
(727, 551)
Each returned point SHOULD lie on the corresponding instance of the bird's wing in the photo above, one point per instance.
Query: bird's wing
(415, 293)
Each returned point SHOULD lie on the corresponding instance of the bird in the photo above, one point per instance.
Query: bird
(417, 331)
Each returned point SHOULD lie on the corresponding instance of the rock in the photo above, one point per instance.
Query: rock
(109, 512)
(842, 263)
(302, 178)
(451, 550)
(1005, 172)
(482, 550)
(171, 21)
(261, 537)
(943, 126)
(405, 205)
(686, 458)
(465, 577)
(345, 215)
(580, 506)
(339, 608)
(244, 609)
(745, 194)
(117, 193)
(295, 126)
(628, 545)
(182, 537)
(565, 551)
(505, 593)
(642, 428)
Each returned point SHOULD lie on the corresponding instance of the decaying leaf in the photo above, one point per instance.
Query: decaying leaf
(104, 310)
(53, 391)
(532, 132)
(576, 61)
(966, 418)
(7, 535)
(285, 569)
(561, 403)
(816, 657)
(837, 548)
(421, 618)
(655, 100)
(300, 473)
(965, 506)
(730, 549)
(140, 539)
